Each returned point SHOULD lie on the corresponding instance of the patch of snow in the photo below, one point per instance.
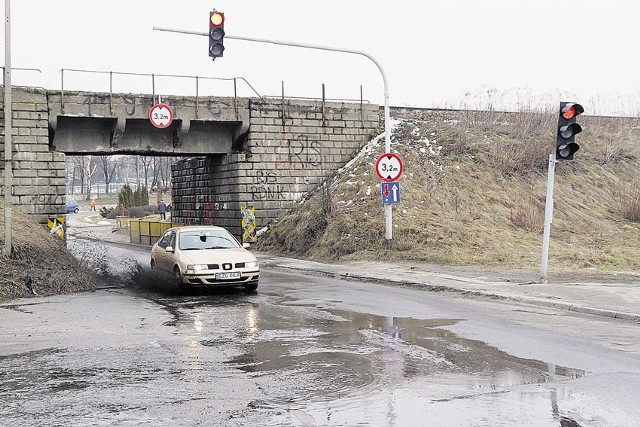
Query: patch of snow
(371, 147)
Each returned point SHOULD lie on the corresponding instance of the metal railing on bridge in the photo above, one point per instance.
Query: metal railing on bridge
(197, 80)
(153, 77)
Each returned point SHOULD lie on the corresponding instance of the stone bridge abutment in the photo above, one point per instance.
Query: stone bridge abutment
(230, 152)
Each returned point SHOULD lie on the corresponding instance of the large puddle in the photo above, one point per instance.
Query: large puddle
(345, 368)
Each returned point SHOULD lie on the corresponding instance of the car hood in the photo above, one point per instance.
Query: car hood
(217, 256)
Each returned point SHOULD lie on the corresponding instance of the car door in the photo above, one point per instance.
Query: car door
(164, 259)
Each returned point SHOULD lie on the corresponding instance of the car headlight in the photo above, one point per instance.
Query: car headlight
(251, 264)
(197, 267)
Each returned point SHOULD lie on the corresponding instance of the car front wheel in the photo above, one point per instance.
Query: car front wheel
(177, 275)
(250, 287)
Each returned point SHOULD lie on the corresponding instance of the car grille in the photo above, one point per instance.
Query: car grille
(225, 266)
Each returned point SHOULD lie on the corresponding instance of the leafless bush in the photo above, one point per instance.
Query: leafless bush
(512, 157)
(612, 150)
(528, 214)
(612, 139)
(627, 201)
(456, 141)
(539, 123)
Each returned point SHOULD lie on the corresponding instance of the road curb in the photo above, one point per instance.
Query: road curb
(536, 301)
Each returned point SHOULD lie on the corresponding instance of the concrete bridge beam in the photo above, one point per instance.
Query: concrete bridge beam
(119, 124)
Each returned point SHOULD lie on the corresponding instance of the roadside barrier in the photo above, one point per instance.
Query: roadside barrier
(148, 231)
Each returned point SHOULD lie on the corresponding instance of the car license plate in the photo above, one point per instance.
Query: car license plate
(225, 276)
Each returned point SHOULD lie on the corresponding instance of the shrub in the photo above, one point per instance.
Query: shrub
(528, 214)
(141, 197)
(142, 211)
(125, 197)
(627, 201)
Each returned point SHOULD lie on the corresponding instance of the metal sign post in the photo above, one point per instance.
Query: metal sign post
(389, 168)
(548, 215)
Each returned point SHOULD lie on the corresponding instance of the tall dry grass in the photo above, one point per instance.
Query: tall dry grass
(627, 200)
(473, 193)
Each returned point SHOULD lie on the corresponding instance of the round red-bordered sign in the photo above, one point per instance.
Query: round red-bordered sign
(161, 116)
(389, 167)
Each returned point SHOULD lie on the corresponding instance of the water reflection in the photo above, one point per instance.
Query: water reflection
(338, 352)
(345, 367)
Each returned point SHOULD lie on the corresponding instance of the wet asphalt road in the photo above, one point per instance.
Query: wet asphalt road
(306, 350)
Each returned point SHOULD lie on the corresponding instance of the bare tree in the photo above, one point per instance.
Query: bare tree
(165, 172)
(147, 162)
(82, 171)
(74, 173)
(89, 169)
(108, 165)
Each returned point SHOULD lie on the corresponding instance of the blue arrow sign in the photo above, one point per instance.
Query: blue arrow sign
(390, 193)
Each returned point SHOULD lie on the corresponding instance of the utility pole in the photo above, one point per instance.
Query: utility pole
(387, 115)
(8, 130)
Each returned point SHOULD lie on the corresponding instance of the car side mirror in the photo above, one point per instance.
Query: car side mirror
(169, 249)
(246, 245)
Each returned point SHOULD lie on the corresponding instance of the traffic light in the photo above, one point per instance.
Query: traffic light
(216, 34)
(567, 130)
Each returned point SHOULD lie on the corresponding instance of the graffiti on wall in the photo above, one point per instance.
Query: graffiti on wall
(301, 154)
(210, 202)
(265, 186)
(43, 203)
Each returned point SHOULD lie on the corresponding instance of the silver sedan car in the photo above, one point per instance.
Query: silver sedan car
(205, 256)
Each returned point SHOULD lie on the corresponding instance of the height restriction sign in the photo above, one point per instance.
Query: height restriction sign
(161, 116)
(389, 167)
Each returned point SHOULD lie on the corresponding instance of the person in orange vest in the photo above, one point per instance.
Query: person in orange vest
(93, 204)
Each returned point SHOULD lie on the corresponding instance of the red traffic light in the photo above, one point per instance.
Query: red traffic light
(566, 146)
(216, 19)
(570, 110)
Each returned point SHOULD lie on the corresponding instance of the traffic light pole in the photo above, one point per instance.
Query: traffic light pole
(387, 116)
(548, 215)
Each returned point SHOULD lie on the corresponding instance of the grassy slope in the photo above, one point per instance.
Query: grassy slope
(42, 257)
(473, 193)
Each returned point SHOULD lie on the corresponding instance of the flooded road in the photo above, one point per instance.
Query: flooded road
(305, 351)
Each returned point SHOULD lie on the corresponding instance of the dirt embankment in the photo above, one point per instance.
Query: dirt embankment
(40, 262)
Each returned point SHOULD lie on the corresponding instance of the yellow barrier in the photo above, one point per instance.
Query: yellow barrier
(57, 226)
(148, 231)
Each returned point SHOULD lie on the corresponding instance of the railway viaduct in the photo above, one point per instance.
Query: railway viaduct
(231, 152)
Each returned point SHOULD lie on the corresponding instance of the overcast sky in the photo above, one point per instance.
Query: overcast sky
(436, 53)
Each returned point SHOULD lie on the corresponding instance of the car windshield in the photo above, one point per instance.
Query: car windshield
(207, 239)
